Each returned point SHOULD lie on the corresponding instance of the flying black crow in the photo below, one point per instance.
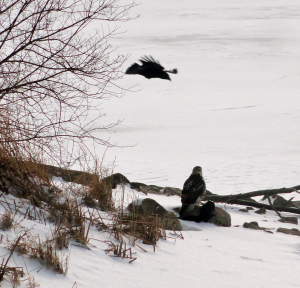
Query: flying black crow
(193, 190)
(150, 69)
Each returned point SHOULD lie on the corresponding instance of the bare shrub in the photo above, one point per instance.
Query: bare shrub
(102, 192)
(46, 254)
(61, 238)
(120, 250)
(44, 251)
(11, 272)
(147, 228)
(71, 223)
(6, 221)
(13, 275)
(99, 190)
(55, 67)
(32, 283)
(22, 175)
(77, 229)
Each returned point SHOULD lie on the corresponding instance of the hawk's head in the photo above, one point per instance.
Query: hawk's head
(197, 170)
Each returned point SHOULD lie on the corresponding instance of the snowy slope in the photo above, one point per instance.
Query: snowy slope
(208, 255)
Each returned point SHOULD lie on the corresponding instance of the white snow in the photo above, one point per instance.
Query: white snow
(234, 109)
(208, 255)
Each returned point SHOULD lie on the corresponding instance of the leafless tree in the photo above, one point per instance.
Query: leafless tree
(55, 64)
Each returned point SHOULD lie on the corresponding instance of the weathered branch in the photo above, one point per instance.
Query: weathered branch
(243, 199)
(269, 192)
(262, 205)
(273, 207)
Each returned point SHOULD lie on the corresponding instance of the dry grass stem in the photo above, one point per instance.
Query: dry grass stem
(120, 250)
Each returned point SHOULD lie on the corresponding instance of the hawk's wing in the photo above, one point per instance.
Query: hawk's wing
(193, 188)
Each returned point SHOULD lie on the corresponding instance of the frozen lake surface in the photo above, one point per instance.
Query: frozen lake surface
(234, 106)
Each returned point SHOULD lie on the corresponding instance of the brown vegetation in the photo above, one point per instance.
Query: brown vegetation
(53, 65)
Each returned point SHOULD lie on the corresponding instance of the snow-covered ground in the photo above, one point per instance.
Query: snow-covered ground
(208, 256)
(234, 109)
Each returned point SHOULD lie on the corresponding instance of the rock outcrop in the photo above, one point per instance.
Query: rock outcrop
(293, 231)
(291, 220)
(220, 217)
(170, 191)
(141, 187)
(115, 179)
(151, 207)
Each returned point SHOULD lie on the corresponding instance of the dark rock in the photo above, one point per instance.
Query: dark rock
(114, 180)
(75, 176)
(293, 231)
(172, 191)
(222, 218)
(244, 210)
(249, 208)
(147, 206)
(261, 210)
(136, 186)
(151, 207)
(157, 189)
(141, 187)
(292, 220)
(171, 222)
(253, 225)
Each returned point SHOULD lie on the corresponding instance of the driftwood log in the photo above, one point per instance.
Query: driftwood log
(243, 198)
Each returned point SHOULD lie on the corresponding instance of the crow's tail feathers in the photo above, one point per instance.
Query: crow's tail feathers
(173, 71)
(133, 69)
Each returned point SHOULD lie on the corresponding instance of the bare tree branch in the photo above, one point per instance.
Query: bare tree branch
(56, 66)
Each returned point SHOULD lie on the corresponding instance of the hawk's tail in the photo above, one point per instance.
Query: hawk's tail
(185, 209)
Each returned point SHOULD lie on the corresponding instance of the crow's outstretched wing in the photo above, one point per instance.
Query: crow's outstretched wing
(133, 69)
(149, 63)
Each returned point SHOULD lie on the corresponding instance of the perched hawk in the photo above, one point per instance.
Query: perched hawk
(194, 189)
(150, 69)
